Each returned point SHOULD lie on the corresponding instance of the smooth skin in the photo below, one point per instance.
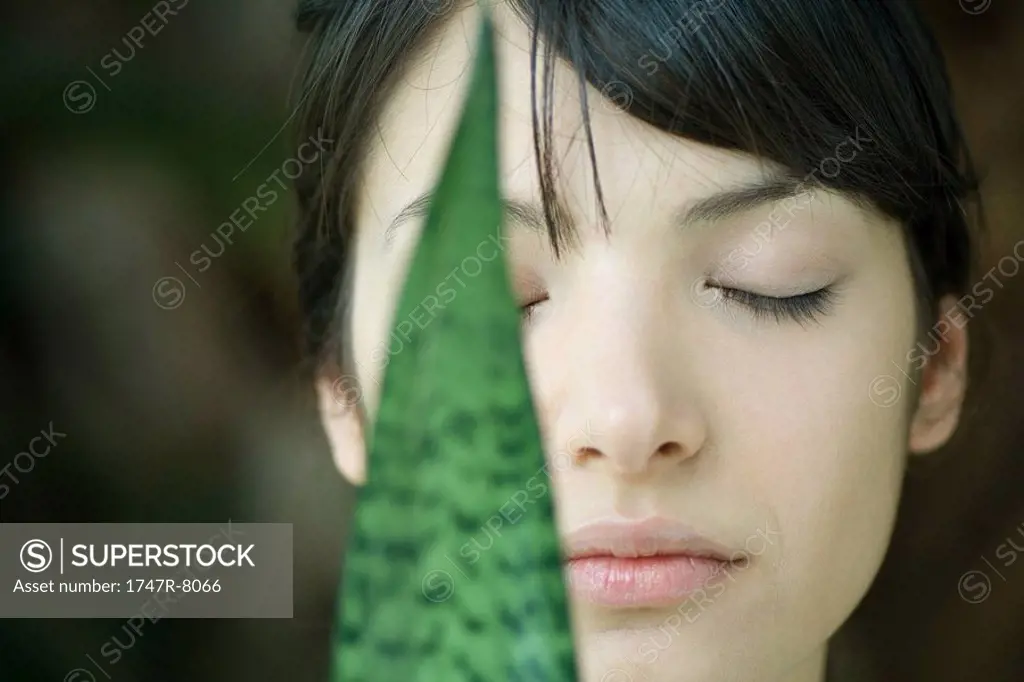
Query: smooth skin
(674, 395)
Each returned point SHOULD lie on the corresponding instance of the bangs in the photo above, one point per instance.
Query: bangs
(786, 81)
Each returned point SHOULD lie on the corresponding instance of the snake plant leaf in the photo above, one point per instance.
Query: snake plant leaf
(453, 571)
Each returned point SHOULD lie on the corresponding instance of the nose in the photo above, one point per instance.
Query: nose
(630, 438)
(629, 414)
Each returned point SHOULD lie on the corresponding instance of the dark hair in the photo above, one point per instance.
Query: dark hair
(785, 80)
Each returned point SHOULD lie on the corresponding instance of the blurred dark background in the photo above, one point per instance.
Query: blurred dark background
(185, 399)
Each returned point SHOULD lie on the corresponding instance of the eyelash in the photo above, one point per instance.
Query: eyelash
(527, 310)
(802, 308)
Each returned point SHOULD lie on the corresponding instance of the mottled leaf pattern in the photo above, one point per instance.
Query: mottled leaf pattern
(452, 573)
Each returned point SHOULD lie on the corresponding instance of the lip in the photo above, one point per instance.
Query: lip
(626, 563)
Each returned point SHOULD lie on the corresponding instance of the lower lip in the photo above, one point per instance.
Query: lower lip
(625, 582)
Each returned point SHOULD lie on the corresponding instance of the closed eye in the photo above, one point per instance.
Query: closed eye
(527, 310)
(802, 308)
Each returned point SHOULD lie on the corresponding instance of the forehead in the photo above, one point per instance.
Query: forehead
(636, 161)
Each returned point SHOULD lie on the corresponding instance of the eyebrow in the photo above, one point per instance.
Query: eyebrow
(732, 202)
(519, 212)
(714, 208)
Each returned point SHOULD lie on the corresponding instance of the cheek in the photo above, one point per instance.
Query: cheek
(374, 341)
(830, 465)
(803, 437)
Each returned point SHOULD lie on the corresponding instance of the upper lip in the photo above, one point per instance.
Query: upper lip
(640, 538)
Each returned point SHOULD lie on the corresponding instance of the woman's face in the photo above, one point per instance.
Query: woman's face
(758, 425)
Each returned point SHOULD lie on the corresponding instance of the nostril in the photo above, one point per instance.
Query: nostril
(670, 449)
(586, 452)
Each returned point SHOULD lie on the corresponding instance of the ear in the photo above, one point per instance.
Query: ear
(338, 399)
(943, 381)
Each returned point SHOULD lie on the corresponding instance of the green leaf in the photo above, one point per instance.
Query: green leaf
(453, 572)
